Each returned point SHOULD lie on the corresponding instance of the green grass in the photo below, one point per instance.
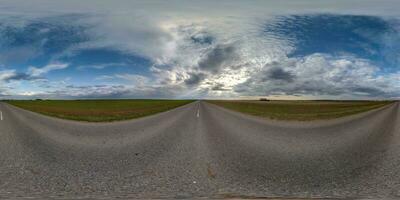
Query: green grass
(98, 110)
(300, 110)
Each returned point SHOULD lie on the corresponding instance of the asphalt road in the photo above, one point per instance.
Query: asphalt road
(200, 150)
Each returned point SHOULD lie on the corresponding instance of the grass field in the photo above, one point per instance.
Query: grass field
(300, 110)
(98, 110)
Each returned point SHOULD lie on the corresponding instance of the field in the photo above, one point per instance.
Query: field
(300, 110)
(98, 110)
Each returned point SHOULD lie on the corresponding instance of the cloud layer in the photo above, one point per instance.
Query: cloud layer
(308, 49)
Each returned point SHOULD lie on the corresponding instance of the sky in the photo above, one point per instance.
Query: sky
(293, 49)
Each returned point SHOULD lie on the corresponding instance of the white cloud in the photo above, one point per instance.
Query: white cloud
(134, 79)
(7, 74)
(35, 72)
(100, 66)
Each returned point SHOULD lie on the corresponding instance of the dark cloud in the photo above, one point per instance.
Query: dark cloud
(277, 73)
(235, 66)
(214, 59)
(219, 87)
(18, 77)
(368, 91)
(202, 38)
(195, 78)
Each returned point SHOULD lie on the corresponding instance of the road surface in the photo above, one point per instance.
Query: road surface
(200, 150)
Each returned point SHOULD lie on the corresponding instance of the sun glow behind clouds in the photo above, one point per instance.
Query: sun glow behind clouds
(176, 50)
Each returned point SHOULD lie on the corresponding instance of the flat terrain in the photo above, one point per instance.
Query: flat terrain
(200, 150)
(98, 110)
(300, 110)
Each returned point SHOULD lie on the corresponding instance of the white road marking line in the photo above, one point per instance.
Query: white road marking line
(198, 113)
(1, 116)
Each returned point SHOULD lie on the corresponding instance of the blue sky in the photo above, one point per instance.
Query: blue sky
(302, 49)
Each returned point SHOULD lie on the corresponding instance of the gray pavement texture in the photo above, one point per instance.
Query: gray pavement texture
(200, 151)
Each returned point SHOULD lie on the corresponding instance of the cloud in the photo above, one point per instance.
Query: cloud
(277, 73)
(17, 55)
(35, 72)
(216, 57)
(261, 48)
(102, 91)
(100, 66)
(23, 40)
(12, 75)
(219, 87)
(368, 37)
(368, 91)
(202, 38)
(7, 79)
(11, 79)
(92, 91)
(136, 80)
(194, 78)
(321, 75)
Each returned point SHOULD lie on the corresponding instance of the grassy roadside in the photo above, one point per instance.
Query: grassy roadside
(98, 110)
(300, 110)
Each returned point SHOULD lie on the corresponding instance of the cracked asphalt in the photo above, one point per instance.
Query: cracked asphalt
(200, 151)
